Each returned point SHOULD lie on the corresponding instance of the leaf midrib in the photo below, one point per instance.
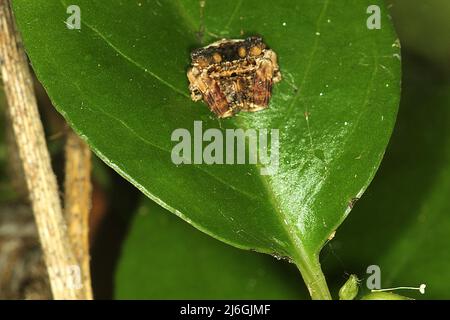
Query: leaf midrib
(290, 232)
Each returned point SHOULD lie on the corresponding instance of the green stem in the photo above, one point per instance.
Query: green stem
(309, 267)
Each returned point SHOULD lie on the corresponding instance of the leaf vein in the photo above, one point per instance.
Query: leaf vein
(233, 15)
(130, 60)
(148, 142)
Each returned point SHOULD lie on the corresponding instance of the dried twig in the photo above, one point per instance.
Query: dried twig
(78, 192)
(41, 182)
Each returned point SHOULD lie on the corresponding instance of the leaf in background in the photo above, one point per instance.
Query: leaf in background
(403, 224)
(121, 83)
(164, 258)
(424, 27)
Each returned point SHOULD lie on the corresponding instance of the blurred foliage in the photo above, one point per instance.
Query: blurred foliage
(165, 258)
(424, 28)
(402, 223)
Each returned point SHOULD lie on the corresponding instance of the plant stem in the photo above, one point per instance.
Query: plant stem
(77, 200)
(35, 159)
(309, 267)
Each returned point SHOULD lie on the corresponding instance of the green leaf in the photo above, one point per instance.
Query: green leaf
(402, 224)
(121, 83)
(164, 258)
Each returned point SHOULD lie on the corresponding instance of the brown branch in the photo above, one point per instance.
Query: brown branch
(78, 193)
(60, 259)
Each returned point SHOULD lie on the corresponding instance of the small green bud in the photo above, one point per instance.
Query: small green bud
(350, 289)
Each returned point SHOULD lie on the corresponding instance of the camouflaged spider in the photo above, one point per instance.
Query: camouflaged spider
(233, 75)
